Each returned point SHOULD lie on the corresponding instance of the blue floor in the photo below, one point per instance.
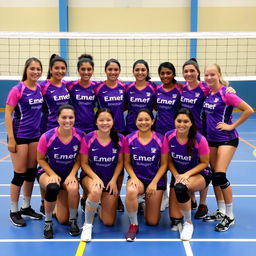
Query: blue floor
(240, 239)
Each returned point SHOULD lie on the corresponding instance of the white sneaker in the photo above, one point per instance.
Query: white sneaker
(177, 227)
(86, 232)
(187, 231)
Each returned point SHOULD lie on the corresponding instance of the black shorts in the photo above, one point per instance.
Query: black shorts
(207, 175)
(216, 144)
(146, 185)
(20, 141)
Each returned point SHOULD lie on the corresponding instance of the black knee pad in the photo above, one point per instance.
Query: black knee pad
(31, 174)
(181, 192)
(220, 179)
(18, 179)
(52, 191)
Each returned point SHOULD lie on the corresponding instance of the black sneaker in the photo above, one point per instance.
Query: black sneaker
(82, 203)
(48, 231)
(193, 205)
(29, 212)
(225, 224)
(17, 220)
(74, 230)
(201, 212)
(214, 217)
(120, 205)
(42, 209)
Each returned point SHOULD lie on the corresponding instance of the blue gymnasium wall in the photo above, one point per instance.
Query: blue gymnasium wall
(244, 89)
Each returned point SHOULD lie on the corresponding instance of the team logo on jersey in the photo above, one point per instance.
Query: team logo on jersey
(148, 94)
(75, 148)
(216, 100)
(153, 150)
(197, 94)
(174, 96)
(114, 150)
(121, 91)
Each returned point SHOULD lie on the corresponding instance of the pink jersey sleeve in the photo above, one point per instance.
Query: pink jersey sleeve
(203, 148)
(126, 146)
(232, 99)
(42, 145)
(84, 147)
(122, 143)
(165, 146)
(13, 97)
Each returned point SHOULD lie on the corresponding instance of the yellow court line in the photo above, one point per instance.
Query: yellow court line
(248, 143)
(5, 157)
(81, 248)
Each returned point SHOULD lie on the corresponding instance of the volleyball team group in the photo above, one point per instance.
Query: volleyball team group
(55, 136)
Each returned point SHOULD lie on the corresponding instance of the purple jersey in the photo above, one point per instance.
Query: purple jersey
(167, 102)
(137, 99)
(184, 162)
(218, 108)
(54, 97)
(101, 158)
(113, 99)
(59, 155)
(27, 111)
(83, 100)
(193, 99)
(145, 159)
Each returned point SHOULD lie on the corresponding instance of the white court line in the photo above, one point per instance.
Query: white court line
(188, 248)
(242, 240)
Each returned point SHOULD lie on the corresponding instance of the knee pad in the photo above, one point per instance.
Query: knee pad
(18, 179)
(181, 192)
(31, 174)
(52, 191)
(220, 179)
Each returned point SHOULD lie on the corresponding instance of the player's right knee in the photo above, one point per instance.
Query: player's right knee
(52, 191)
(181, 191)
(18, 179)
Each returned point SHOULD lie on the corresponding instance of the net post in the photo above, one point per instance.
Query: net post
(193, 27)
(63, 27)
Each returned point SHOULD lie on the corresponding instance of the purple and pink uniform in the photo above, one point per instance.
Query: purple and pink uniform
(193, 99)
(59, 155)
(54, 97)
(27, 111)
(101, 158)
(83, 99)
(218, 108)
(184, 162)
(113, 99)
(145, 159)
(136, 100)
(167, 102)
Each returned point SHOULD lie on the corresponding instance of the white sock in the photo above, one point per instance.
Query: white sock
(221, 206)
(14, 206)
(229, 210)
(26, 202)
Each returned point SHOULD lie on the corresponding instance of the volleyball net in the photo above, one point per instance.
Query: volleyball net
(235, 52)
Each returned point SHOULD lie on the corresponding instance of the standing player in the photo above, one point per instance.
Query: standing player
(82, 95)
(223, 141)
(146, 157)
(167, 98)
(59, 159)
(189, 156)
(139, 94)
(23, 132)
(54, 92)
(102, 162)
